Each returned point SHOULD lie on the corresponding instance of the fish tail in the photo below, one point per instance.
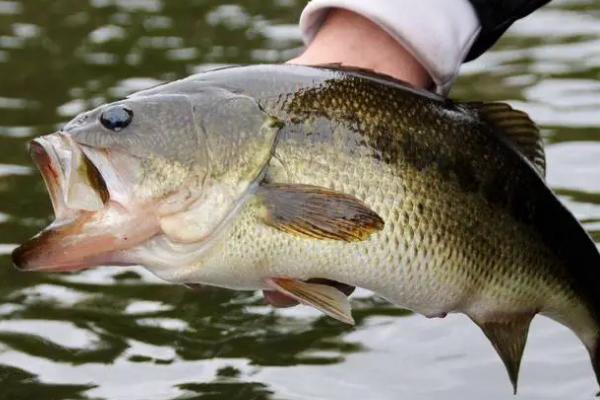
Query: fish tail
(588, 332)
(594, 351)
(596, 363)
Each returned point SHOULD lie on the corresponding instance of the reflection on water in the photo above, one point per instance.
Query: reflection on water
(120, 333)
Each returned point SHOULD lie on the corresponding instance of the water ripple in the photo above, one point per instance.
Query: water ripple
(122, 333)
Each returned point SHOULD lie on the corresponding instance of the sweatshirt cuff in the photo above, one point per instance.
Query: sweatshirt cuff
(439, 34)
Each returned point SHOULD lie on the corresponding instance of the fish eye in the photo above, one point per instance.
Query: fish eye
(116, 118)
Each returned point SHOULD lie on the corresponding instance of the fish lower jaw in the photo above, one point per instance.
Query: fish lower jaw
(89, 240)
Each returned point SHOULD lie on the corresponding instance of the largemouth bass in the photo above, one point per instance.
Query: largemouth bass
(265, 177)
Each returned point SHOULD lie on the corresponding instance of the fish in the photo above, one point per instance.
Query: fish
(286, 178)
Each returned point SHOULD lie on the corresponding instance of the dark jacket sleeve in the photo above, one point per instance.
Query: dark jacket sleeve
(495, 17)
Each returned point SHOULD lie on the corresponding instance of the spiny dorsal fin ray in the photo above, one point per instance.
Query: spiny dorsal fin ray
(508, 338)
(517, 127)
(317, 212)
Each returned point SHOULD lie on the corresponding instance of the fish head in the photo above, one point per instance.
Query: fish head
(166, 167)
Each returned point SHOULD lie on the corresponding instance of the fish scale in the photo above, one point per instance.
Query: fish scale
(446, 246)
(288, 173)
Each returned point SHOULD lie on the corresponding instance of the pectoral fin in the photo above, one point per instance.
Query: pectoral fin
(317, 212)
(324, 298)
(508, 338)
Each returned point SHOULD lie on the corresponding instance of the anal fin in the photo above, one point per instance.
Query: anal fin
(508, 336)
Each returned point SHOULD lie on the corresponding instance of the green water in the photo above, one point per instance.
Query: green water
(121, 334)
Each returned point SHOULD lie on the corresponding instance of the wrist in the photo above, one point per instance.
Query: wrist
(352, 40)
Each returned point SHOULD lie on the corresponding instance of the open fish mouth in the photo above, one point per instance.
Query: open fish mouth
(90, 228)
(74, 183)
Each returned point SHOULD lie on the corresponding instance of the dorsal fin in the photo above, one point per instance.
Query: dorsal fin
(366, 73)
(518, 128)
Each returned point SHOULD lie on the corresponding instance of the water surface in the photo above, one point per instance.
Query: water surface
(122, 334)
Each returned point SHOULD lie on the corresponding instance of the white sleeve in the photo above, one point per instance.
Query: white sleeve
(438, 33)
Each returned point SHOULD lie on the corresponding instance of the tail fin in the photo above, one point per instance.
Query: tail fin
(509, 336)
(594, 351)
